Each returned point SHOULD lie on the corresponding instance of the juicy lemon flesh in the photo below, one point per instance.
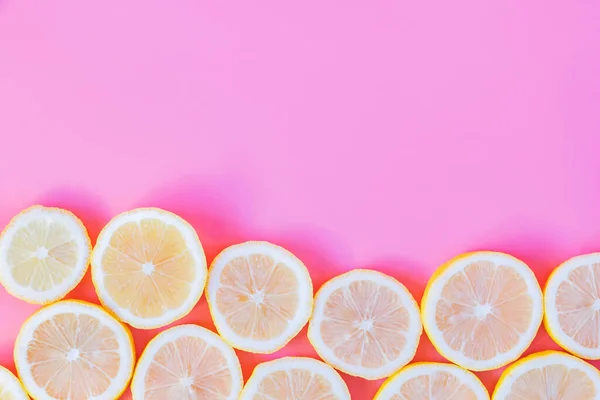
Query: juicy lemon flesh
(5, 394)
(257, 296)
(365, 324)
(578, 305)
(553, 382)
(437, 385)
(188, 369)
(484, 310)
(42, 255)
(73, 356)
(300, 384)
(148, 268)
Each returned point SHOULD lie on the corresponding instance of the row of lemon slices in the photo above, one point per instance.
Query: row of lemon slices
(481, 311)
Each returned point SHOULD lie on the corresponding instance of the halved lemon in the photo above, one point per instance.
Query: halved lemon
(148, 267)
(298, 378)
(187, 362)
(74, 350)
(572, 306)
(10, 386)
(432, 381)
(44, 253)
(482, 310)
(365, 324)
(259, 295)
(549, 375)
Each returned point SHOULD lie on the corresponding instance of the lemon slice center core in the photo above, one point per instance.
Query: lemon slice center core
(482, 311)
(148, 268)
(41, 253)
(73, 355)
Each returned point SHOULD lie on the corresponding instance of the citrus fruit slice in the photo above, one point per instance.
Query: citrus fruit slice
(74, 350)
(148, 267)
(432, 381)
(44, 253)
(10, 386)
(572, 306)
(482, 310)
(298, 378)
(187, 362)
(549, 375)
(259, 295)
(365, 324)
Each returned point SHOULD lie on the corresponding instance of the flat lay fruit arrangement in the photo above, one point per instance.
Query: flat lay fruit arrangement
(480, 310)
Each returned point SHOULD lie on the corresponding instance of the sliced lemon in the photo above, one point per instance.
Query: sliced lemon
(298, 378)
(187, 362)
(572, 306)
(482, 310)
(549, 375)
(10, 386)
(365, 324)
(432, 381)
(44, 253)
(260, 296)
(148, 267)
(74, 350)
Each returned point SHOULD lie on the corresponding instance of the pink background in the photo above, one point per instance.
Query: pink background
(382, 134)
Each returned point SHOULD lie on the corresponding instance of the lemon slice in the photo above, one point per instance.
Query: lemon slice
(74, 350)
(432, 381)
(148, 267)
(365, 324)
(10, 386)
(259, 295)
(549, 375)
(44, 253)
(298, 378)
(572, 306)
(187, 362)
(482, 310)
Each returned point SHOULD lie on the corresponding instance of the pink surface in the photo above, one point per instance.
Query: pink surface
(382, 134)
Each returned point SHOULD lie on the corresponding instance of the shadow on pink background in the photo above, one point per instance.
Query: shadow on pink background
(357, 134)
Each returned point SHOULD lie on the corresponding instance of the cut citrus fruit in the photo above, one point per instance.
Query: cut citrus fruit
(148, 267)
(572, 306)
(74, 350)
(482, 310)
(44, 253)
(549, 375)
(298, 378)
(365, 324)
(432, 381)
(10, 386)
(259, 295)
(187, 362)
